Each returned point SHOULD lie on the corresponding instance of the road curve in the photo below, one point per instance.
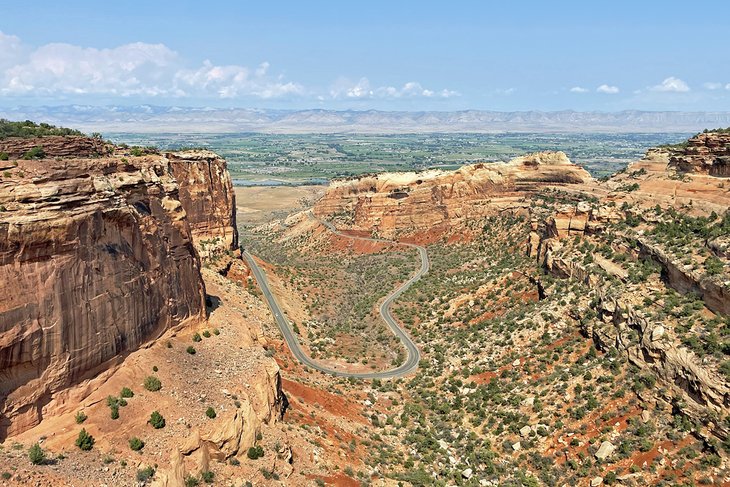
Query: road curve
(292, 341)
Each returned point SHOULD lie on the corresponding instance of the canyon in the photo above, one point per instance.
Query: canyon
(104, 254)
(571, 330)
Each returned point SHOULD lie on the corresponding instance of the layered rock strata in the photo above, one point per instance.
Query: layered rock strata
(96, 258)
(390, 203)
(55, 146)
(706, 153)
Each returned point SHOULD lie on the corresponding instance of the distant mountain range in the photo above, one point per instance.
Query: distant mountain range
(147, 118)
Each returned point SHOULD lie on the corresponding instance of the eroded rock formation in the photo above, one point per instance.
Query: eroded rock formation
(390, 203)
(96, 258)
(206, 193)
(706, 153)
(55, 146)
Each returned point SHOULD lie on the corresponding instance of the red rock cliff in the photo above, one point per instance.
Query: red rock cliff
(390, 203)
(206, 193)
(96, 258)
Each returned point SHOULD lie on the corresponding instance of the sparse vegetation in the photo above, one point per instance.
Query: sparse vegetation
(36, 455)
(84, 441)
(152, 383)
(135, 444)
(156, 420)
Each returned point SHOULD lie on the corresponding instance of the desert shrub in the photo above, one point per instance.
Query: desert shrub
(4, 156)
(36, 454)
(80, 417)
(255, 452)
(136, 444)
(156, 420)
(207, 477)
(34, 153)
(126, 392)
(191, 350)
(197, 338)
(145, 474)
(206, 334)
(84, 441)
(216, 331)
(115, 412)
(152, 383)
(191, 481)
(210, 412)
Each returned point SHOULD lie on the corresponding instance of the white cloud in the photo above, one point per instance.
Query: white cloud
(610, 90)
(712, 86)
(11, 50)
(579, 89)
(671, 85)
(727, 86)
(136, 69)
(232, 81)
(344, 88)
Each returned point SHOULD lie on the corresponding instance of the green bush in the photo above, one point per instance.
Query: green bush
(85, 441)
(206, 334)
(115, 412)
(28, 129)
(145, 474)
(136, 444)
(35, 153)
(255, 452)
(191, 481)
(126, 392)
(210, 412)
(196, 337)
(190, 350)
(36, 454)
(4, 156)
(156, 420)
(152, 383)
(207, 477)
(80, 417)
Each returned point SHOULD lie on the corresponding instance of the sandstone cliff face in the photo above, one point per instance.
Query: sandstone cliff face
(96, 258)
(415, 202)
(55, 146)
(206, 193)
(707, 153)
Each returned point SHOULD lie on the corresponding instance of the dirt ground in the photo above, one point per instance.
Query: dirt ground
(257, 205)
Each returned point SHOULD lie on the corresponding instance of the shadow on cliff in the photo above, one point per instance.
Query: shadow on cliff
(211, 304)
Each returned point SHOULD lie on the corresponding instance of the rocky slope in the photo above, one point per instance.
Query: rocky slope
(654, 217)
(434, 201)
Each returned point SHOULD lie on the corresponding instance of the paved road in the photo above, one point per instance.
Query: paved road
(292, 341)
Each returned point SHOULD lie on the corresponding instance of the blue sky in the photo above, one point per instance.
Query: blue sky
(390, 55)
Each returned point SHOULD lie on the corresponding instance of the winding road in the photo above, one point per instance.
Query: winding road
(292, 341)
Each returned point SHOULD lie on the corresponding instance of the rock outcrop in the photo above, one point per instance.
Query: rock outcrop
(206, 193)
(390, 203)
(96, 258)
(705, 153)
(654, 351)
(56, 146)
